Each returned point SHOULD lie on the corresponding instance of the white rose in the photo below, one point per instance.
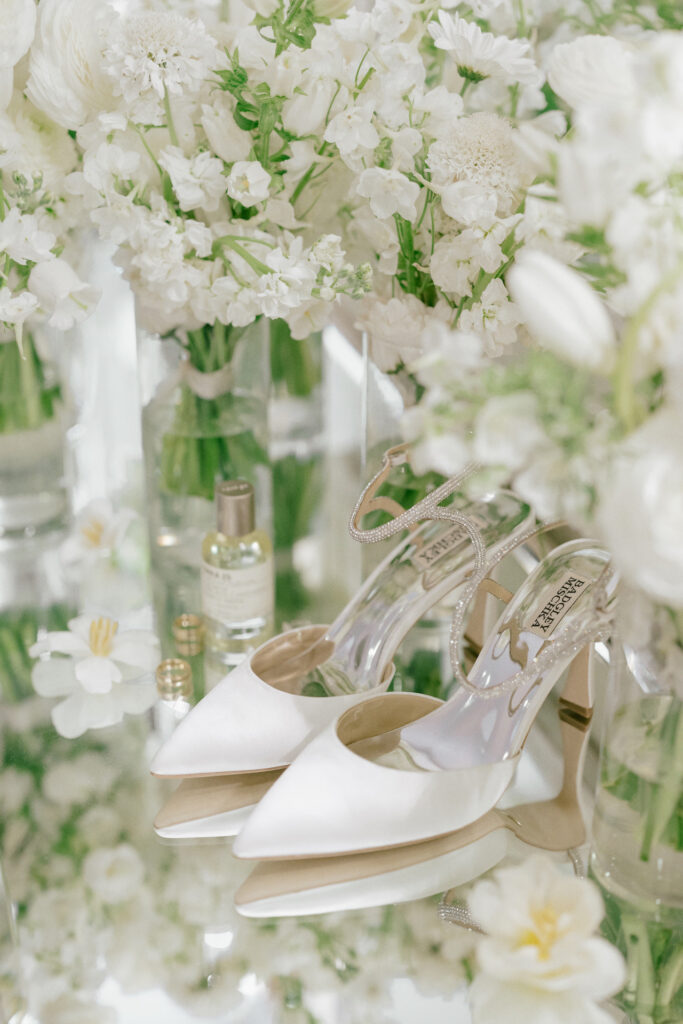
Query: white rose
(640, 509)
(66, 79)
(562, 311)
(226, 139)
(18, 19)
(114, 874)
(248, 182)
(590, 70)
(63, 297)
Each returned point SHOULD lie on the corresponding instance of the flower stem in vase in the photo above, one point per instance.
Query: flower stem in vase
(27, 401)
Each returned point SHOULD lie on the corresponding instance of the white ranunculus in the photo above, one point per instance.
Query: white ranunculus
(540, 960)
(66, 78)
(6, 87)
(562, 311)
(62, 296)
(18, 20)
(226, 139)
(640, 508)
(590, 70)
(114, 875)
(248, 182)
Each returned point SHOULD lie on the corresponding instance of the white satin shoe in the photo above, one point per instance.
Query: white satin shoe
(281, 888)
(267, 709)
(392, 771)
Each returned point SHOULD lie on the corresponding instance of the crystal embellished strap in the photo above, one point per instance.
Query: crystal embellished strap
(592, 627)
(427, 508)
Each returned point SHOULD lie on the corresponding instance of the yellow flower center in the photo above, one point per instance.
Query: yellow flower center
(93, 532)
(544, 934)
(102, 633)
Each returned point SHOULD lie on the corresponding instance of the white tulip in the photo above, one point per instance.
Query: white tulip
(63, 297)
(646, 478)
(18, 19)
(562, 311)
(66, 78)
(590, 70)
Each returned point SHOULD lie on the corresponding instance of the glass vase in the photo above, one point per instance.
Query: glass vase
(34, 417)
(204, 419)
(297, 448)
(637, 853)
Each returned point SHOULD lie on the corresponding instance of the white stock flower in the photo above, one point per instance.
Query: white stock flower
(197, 180)
(540, 960)
(591, 70)
(646, 479)
(248, 182)
(66, 79)
(62, 296)
(480, 54)
(114, 875)
(15, 308)
(23, 239)
(396, 329)
(389, 192)
(352, 129)
(107, 673)
(154, 54)
(507, 430)
(18, 19)
(226, 139)
(562, 312)
(493, 317)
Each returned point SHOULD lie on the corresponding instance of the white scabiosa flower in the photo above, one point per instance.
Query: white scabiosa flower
(389, 192)
(18, 19)
(540, 959)
(63, 298)
(66, 79)
(102, 670)
(480, 55)
(156, 54)
(591, 70)
(248, 182)
(481, 155)
(562, 311)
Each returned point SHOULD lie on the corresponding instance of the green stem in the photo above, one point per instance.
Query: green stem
(667, 793)
(670, 979)
(624, 384)
(169, 118)
(640, 976)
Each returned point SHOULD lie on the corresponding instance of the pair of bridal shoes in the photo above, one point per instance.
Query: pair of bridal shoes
(236, 742)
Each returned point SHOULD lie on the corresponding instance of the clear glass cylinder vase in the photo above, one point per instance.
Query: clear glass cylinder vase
(35, 415)
(204, 418)
(297, 451)
(637, 851)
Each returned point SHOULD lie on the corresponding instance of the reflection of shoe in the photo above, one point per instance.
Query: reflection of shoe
(210, 806)
(267, 709)
(391, 772)
(328, 884)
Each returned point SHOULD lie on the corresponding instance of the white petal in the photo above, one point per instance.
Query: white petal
(54, 677)
(131, 651)
(61, 642)
(70, 718)
(96, 675)
(136, 698)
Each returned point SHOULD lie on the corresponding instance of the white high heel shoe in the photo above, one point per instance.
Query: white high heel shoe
(399, 874)
(388, 773)
(265, 711)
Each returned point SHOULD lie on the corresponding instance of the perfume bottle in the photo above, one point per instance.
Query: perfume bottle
(188, 635)
(237, 577)
(174, 687)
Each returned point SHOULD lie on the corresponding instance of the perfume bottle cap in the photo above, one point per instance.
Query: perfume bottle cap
(188, 633)
(235, 507)
(174, 679)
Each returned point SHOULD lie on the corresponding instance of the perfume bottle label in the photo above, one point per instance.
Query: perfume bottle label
(434, 551)
(567, 592)
(232, 596)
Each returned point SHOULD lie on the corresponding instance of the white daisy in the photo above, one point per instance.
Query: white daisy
(480, 55)
(102, 670)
